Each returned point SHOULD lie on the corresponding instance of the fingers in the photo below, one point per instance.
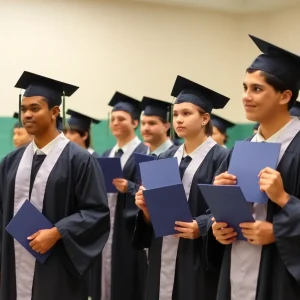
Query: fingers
(141, 188)
(33, 236)
(184, 224)
(219, 225)
(225, 179)
(183, 230)
(267, 170)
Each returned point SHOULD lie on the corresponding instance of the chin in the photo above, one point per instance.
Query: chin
(252, 117)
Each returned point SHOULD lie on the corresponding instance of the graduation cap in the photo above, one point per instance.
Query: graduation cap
(154, 107)
(221, 123)
(80, 121)
(121, 102)
(188, 91)
(295, 110)
(278, 62)
(18, 124)
(50, 89)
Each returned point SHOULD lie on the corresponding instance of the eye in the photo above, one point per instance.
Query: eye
(186, 113)
(35, 109)
(23, 109)
(244, 88)
(257, 89)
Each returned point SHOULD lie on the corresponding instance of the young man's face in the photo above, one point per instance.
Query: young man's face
(21, 137)
(153, 129)
(122, 124)
(36, 115)
(75, 137)
(261, 101)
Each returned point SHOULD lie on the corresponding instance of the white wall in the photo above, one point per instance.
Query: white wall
(137, 49)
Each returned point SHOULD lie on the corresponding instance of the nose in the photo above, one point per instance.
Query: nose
(246, 96)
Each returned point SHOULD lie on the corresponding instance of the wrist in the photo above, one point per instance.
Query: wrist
(56, 233)
(283, 199)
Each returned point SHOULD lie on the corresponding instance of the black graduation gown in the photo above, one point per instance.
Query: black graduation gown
(76, 202)
(279, 272)
(129, 266)
(191, 282)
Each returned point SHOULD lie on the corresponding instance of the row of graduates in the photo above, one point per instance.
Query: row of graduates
(203, 261)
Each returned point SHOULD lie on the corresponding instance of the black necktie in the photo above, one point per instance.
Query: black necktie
(184, 164)
(119, 153)
(153, 154)
(36, 164)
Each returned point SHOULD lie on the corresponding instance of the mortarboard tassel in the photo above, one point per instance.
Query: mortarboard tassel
(65, 123)
(20, 101)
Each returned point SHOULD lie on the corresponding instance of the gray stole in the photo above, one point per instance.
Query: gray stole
(106, 253)
(24, 261)
(245, 258)
(170, 243)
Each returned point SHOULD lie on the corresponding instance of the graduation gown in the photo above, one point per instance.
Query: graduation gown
(76, 202)
(191, 280)
(279, 269)
(128, 265)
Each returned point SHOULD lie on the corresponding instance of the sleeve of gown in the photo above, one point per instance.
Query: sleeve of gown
(287, 234)
(2, 174)
(143, 233)
(85, 232)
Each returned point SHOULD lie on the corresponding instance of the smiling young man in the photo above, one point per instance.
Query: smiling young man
(155, 125)
(267, 265)
(123, 268)
(66, 184)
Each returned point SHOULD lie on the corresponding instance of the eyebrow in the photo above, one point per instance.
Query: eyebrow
(253, 84)
(30, 105)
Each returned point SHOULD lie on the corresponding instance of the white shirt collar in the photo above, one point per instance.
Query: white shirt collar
(162, 148)
(129, 146)
(45, 150)
(90, 150)
(259, 138)
(194, 153)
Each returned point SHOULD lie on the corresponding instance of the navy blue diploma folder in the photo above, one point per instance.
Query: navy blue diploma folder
(247, 160)
(111, 169)
(27, 221)
(227, 204)
(140, 158)
(164, 195)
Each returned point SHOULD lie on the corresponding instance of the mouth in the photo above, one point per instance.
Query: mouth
(180, 128)
(248, 106)
(29, 123)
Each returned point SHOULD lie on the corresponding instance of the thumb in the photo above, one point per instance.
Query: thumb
(32, 237)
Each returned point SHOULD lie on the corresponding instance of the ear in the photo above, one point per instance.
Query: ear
(285, 97)
(86, 135)
(135, 124)
(206, 119)
(167, 126)
(55, 112)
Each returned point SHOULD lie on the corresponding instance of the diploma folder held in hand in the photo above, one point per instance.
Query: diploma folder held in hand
(27, 221)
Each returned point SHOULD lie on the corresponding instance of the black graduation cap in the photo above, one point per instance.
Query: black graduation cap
(295, 110)
(278, 62)
(80, 121)
(121, 102)
(221, 123)
(188, 91)
(154, 107)
(18, 124)
(52, 90)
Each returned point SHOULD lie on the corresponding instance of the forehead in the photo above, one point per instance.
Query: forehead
(255, 77)
(185, 105)
(120, 113)
(150, 118)
(33, 100)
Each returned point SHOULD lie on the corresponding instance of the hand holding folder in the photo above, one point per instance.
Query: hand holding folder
(165, 196)
(27, 221)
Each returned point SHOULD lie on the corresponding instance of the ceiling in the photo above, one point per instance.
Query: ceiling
(232, 6)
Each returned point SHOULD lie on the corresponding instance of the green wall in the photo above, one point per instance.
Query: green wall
(102, 139)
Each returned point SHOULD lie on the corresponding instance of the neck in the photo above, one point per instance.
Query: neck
(45, 138)
(122, 141)
(273, 125)
(191, 143)
(155, 145)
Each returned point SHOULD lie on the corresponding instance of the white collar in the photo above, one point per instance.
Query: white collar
(162, 148)
(46, 150)
(129, 146)
(90, 150)
(259, 138)
(195, 152)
